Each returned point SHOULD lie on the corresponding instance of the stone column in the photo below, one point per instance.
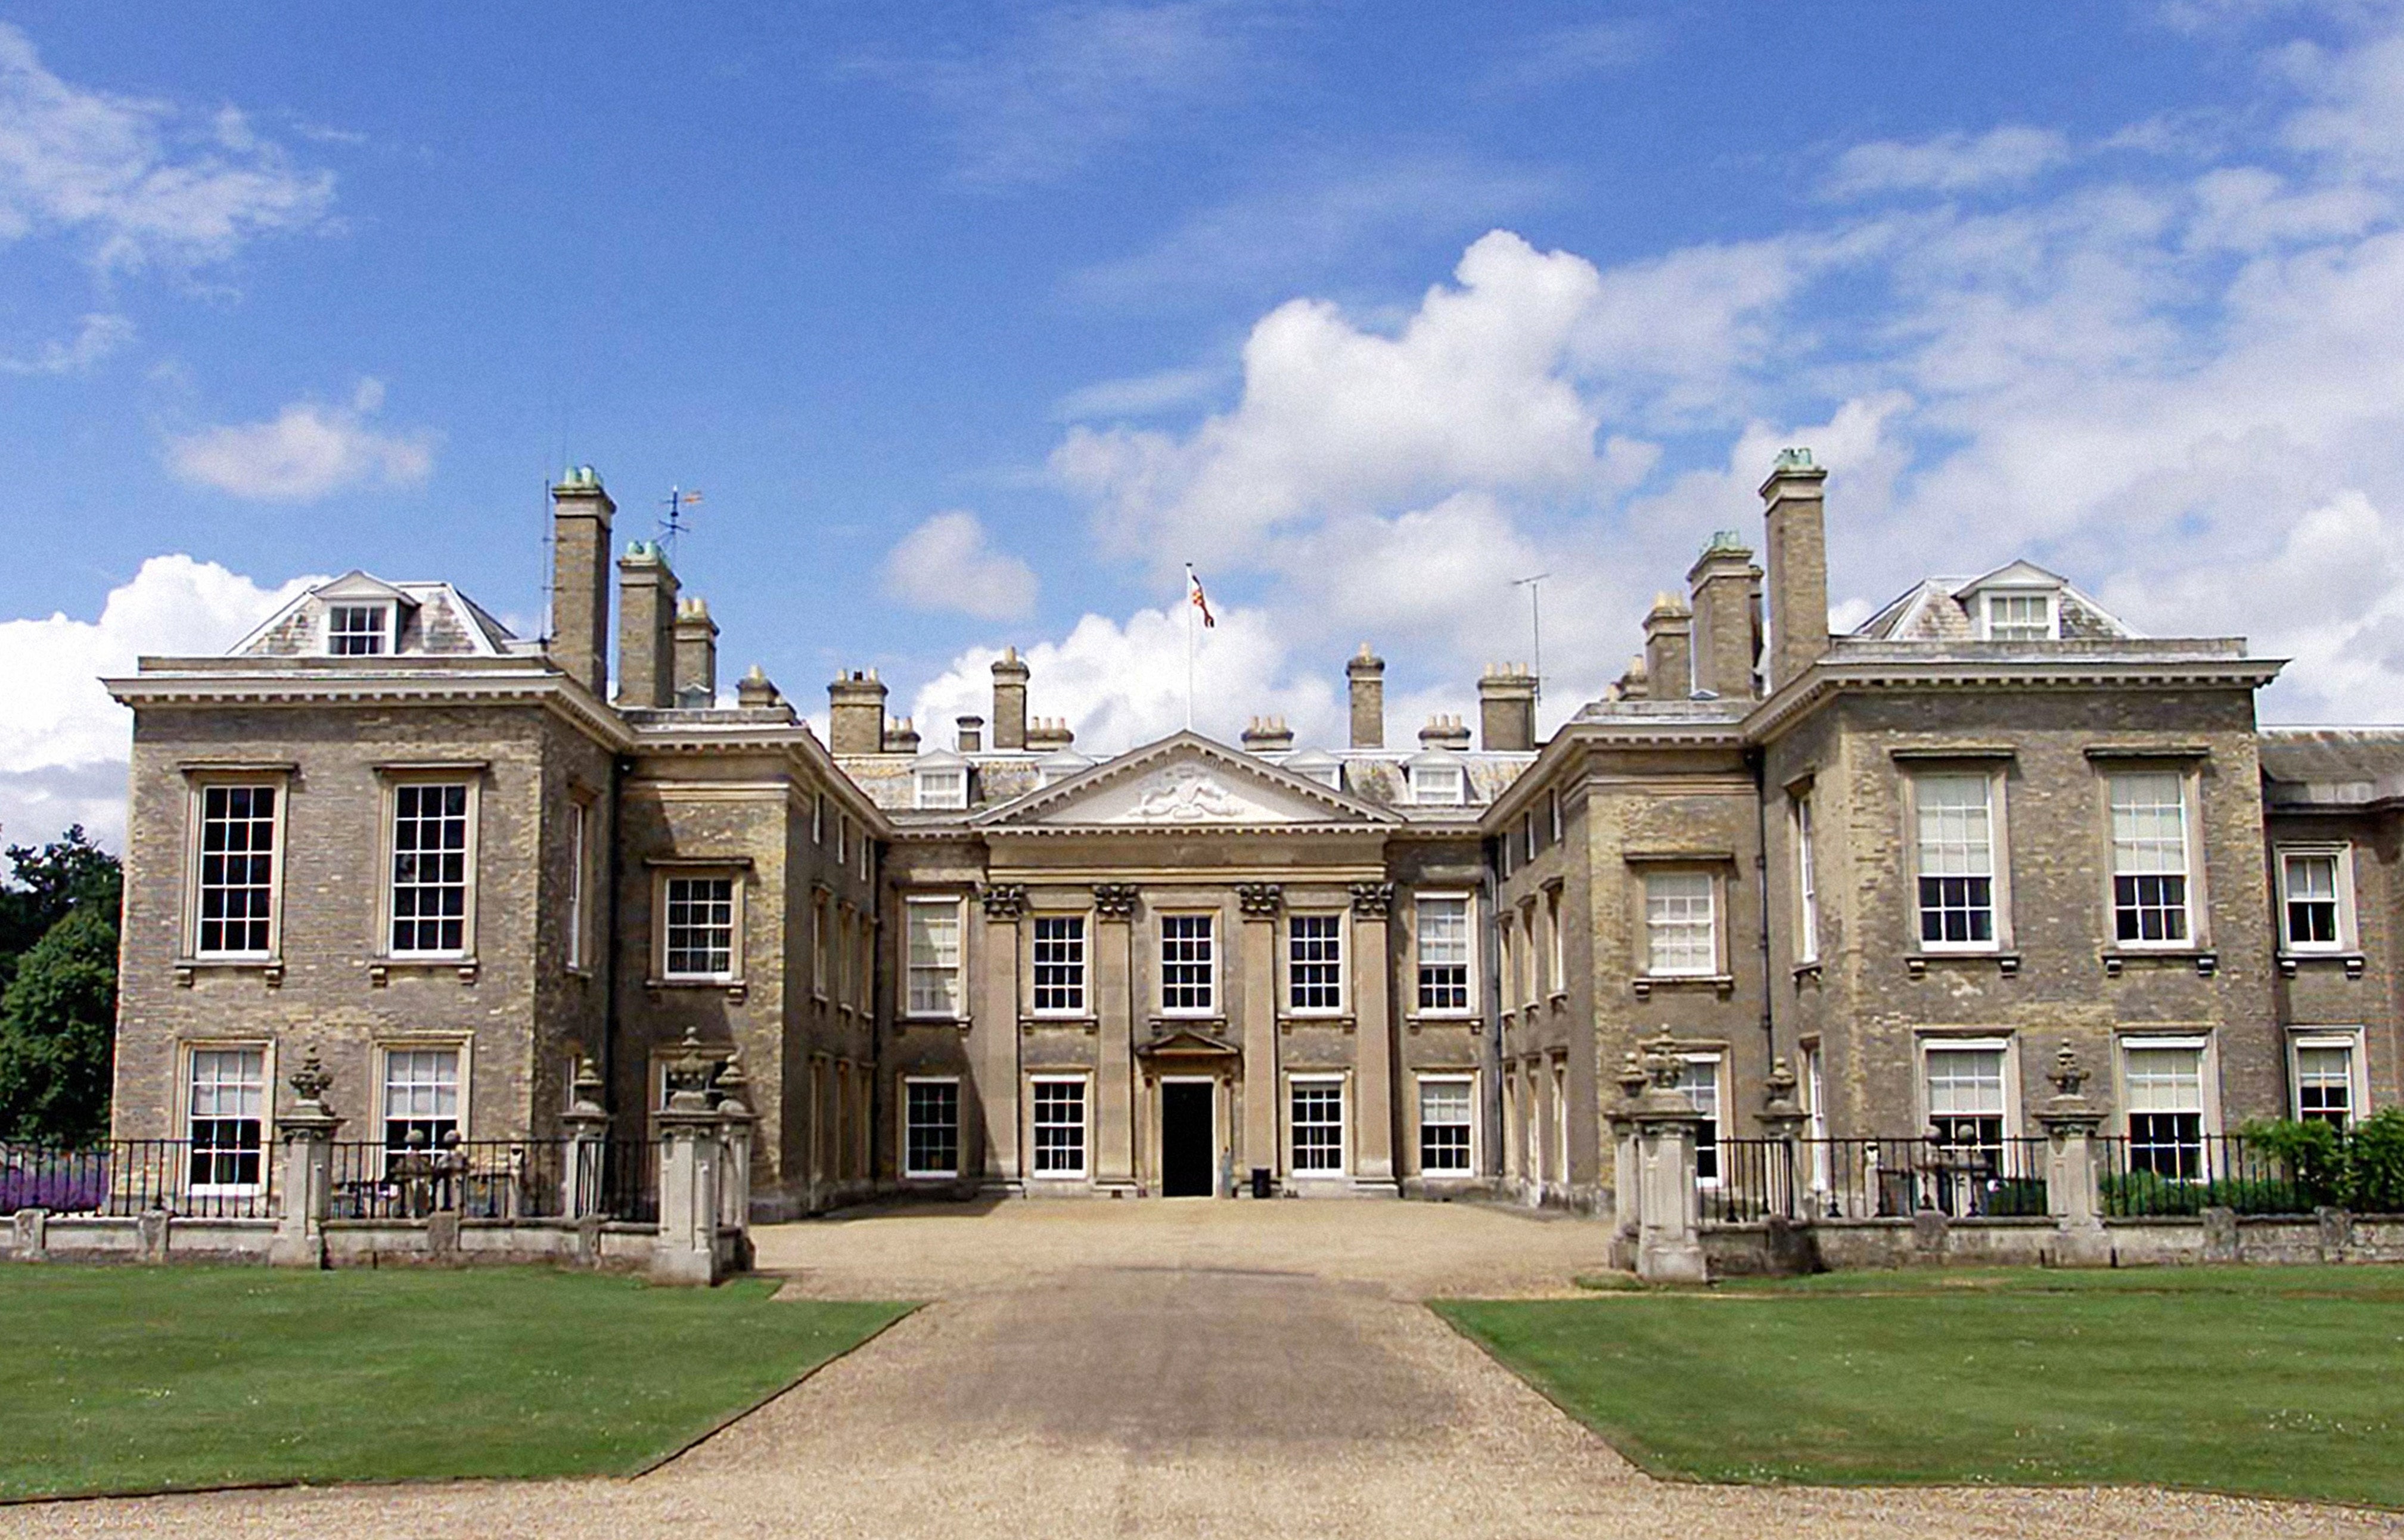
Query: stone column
(587, 1122)
(1669, 1245)
(1260, 902)
(685, 1251)
(2070, 1121)
(1627, 1192)
(995, 1036)
(307, 1176)
(1115, 1012)
(735, 1121)
(1373, 1036)
(1781, 1118)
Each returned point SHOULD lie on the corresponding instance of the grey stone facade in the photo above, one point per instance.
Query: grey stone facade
(996, 964)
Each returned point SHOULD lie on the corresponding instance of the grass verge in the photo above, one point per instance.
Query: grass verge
(122, 1380)
(2275, 1382)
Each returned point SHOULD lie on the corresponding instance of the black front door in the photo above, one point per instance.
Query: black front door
(1185, 1139)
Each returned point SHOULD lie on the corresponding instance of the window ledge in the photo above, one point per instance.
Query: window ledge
(735, 988)
(1031, 1024)
(380, 970)
(2289, 961)
(1306, 1019)
(1723, 984)
(1476, 1024)
(2006, 963)
(957, 1024)
(2116, 958)
(269, 970)
(1808, 969)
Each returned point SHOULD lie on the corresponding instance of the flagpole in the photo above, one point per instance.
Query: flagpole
(1190, 608)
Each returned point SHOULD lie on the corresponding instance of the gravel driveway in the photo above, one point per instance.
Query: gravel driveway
(1187, 1368)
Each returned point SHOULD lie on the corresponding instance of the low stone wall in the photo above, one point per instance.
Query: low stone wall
(1780, 1247)
(440, 1240)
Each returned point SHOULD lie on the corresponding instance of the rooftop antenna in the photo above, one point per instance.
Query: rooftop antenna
(676, 502)
(1535, 624)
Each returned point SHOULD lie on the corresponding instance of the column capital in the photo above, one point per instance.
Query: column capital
(1004, 902)
(1260, 900)
(1114, 900)
(1373, 900)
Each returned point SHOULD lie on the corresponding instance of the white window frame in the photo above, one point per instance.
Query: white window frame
(1553, 800)
(822, 943)
(460, 1045)
(1342, 961)
(579, 855)
(2351, 1039)
(2008, 1081)
(388, 882)
(1343, 1125)
(1035, 1127)
(1528, 835)
(1807, 881)
(2340, 857)
(387, 635)
(932, 904)
(1210, 986)
(1082, 983)
(661, 879)
(195, 854)
(1718, 1111)
(2207, 1075)
(186, 1070)
(2191, 872)
(2048, 597)
(1450, 789)
(1998, 862)
(1467, 1081)
(817, 819)
(1557, 977)
(904, 1124)
(1714, 966)
(941, 787)
(841, 838)
(1505, 975)
(1469, 961)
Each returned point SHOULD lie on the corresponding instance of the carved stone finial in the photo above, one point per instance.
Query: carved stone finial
(1662, 1065)
(688, 1073)
(311, 1082)
(731, 1081)
(1114, 900)
(1778, 1084)
(2068, 1074)
(1632, 1075)
(587, 1087)
(1373, 900)
(1004, 902)
(1260, 900)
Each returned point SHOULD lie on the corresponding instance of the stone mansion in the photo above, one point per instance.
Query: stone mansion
(1894, 870)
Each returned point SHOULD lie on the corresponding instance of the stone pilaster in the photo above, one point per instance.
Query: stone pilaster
(1260, 902)
(1114, 1014)
(1372, 1030)
(993, 1037)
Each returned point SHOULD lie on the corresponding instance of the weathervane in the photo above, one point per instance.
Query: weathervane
(676, 502)
(1535, 625)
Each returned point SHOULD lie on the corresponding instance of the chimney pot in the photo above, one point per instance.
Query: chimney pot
(646, 617)
(1506, 708)
(1793, 509)
(1367, 674)
(581, 511)
(1010, 677)
(856, 713)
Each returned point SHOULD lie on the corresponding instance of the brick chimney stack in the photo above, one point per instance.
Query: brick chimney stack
(856, 713)
(1727, 587)
(1367, 673)
(1670, 647)
(1793, 509)
(696, 655)
(579, 577)
(972, 735)
(1010, 674)
(1268, 736)
(647, 609)
(1506, 708)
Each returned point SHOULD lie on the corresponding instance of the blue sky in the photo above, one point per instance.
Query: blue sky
(974, 322)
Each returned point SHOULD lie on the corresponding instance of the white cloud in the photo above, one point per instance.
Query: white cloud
(63, 743)
(1949, 162)
(306, 452)
(1076, 80)
(947, 563)
(142, 182)
(98, 336)
(1139, 395)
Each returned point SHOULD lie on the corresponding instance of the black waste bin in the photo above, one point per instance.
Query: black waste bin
(1261, 1182)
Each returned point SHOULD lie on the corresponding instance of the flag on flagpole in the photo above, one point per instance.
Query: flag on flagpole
(1198, 599)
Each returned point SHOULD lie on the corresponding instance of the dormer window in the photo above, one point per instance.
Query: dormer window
(359, 630)
(1436, 783)
(2022, 617)
(1318, 765)
(942, 786)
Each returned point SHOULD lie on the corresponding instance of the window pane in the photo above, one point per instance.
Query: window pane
(931, 1132)
(1060, 1128)
(2018, 617)
(421, 1096)
(429, 869)
(1443, 1124)
(1700, 1078)
(355, 630)
(1060, 963)
(2311, 899)
(1680, 935)
(1956, 851)
(1318, 1127)
(934, 958)
(1443, 954)
(2165, 1080)
(237, 870)
(1315, 962)
(1186, 973)
(1965, 1098)
(700, 923)
(2325, 1085)
(227, 1115)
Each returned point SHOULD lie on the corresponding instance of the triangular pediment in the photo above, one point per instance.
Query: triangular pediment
(1184, 781)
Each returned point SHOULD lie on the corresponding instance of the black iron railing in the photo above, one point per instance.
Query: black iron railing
(2175, 1174)
(476, 1179)
(1876, 1178)
(225, 1179)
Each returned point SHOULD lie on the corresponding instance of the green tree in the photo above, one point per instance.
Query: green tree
(68, 874)
(58, 1026)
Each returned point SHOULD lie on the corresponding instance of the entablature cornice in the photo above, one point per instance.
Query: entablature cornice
(1826, 678)
(488, 686)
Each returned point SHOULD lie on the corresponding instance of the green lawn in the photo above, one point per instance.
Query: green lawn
(145, 1379)
(2280, 1381)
